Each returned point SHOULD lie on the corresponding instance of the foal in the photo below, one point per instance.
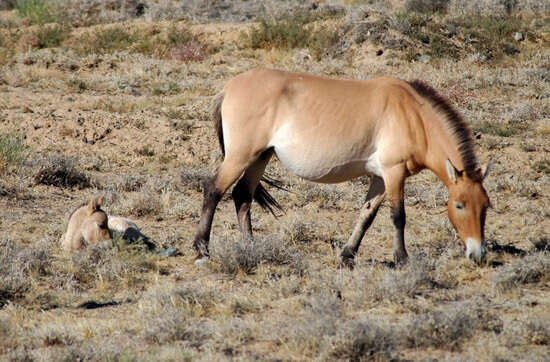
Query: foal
(333, 130)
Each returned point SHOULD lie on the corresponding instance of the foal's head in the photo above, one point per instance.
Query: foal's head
(88, 225)
(467, 206)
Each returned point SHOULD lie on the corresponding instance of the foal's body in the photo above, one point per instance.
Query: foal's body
(333, 130)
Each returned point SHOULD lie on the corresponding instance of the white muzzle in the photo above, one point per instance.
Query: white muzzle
(475, 250)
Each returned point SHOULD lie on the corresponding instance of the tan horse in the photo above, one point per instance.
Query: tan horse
(333, 130)
(89, 225)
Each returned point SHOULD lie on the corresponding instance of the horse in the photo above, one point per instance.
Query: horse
(333, 130)
(90, 225)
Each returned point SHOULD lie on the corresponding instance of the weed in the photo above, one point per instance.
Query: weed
(13, 151)
(146, 151)
(108, 41)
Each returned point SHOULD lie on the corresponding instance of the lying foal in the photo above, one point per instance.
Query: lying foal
(90, 225)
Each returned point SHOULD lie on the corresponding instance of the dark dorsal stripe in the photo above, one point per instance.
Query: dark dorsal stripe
(458, 129)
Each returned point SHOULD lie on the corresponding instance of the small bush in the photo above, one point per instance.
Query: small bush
(234, 255)
(285, 32)
(13, 151)
(426, 6)
(529, 269)
(530, 330)
(542, 166)
(50, 36)
(449, 327)
(61, 171)
(368, 338)
(140, 204)
(108, 41)
(19, 264)
(39, 11)
(499, 129)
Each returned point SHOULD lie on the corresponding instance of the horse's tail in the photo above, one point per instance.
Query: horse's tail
(262, 197)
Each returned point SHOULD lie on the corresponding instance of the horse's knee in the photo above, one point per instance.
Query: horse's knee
(398, 216)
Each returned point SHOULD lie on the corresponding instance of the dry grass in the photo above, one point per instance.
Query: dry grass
(114, 100)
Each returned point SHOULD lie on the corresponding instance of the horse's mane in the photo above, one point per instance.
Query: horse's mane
(458, 129)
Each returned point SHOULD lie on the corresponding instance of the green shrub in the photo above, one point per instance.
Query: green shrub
(51, 36)
(285, 32)
(107, 41)
(426, 6)
(39, 11)
(13, 151)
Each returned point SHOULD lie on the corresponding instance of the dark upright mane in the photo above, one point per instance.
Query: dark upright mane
(458, 129)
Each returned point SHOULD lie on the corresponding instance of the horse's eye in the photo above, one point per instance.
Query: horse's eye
(459, 206)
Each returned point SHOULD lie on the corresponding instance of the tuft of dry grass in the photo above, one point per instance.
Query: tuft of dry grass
(19, 265)
(532, 268)
(233, 254)
(61, 171)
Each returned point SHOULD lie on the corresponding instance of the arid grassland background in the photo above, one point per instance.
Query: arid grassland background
(111, 97)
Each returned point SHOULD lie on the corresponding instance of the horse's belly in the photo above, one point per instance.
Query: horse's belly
(324, 168)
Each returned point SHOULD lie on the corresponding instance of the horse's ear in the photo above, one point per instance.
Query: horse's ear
(451, 171)
(94, 204)
(485, 169)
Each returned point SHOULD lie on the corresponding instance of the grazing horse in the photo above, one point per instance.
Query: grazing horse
(333, 130)
(89, 225)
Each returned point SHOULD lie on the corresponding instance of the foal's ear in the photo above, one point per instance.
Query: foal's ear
(95, 203)
(451, 171)
(485, 169)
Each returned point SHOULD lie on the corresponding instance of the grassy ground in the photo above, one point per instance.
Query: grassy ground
(112, 98)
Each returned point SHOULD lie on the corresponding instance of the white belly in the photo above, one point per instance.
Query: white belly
(325, 162)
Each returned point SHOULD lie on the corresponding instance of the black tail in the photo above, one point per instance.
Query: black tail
(262, 197)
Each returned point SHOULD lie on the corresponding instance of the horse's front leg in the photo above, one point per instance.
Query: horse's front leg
(375, 196)
(394, 180)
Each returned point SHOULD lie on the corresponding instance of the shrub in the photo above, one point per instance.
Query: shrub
(19, 263)
(234, 255)
(542, 166)
(368, 338)
(529, 269)
(61, 171)
(287, 31)
(426, 6)
(39, 11)
(13, 151)
(50, 36)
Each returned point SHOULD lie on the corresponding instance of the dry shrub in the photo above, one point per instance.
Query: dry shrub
(449, 327)
(19, 265)
(102, 262)
(426, 6)
(167, 314)
(529, 330)
(193, 178)
(13, 151)
(371, 338)
(532, 268)
(140, 204)
(232, 255)
(192, 51)
(61, 171)
(408, 280)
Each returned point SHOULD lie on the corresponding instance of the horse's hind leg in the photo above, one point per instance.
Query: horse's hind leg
(229, 172)
(244, 192)
(375, 196)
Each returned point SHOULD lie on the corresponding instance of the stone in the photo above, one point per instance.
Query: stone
(519, 36)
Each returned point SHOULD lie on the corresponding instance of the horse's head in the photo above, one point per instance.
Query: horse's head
(467, 206)
(95, 224)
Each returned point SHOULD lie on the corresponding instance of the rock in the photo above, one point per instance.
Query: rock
(519, 36)
(27, 110)
(424, 58)
(379, 52)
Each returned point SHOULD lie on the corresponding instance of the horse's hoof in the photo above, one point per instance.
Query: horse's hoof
(348, 263)
(400, 258)
(202, 262)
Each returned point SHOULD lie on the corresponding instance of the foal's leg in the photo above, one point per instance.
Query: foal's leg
(375, 196)
(394, 179)
(243, 192)
(229, 172)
